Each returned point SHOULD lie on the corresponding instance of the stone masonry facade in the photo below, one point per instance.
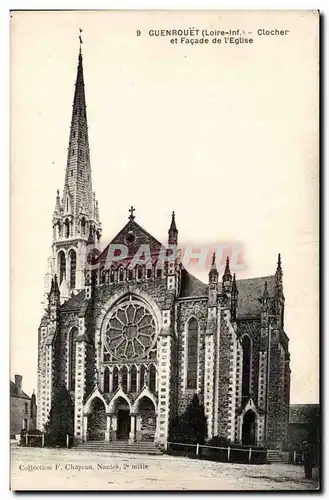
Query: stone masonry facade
(134, 343)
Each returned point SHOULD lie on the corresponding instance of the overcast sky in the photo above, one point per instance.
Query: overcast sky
(225, 135)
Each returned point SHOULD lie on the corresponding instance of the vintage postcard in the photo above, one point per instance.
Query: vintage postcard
(164, 244)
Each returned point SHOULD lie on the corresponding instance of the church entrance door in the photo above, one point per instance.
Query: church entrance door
(123, 425)
(123, 419)
(249, 428)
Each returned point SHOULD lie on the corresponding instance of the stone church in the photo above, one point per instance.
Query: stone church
(133, 344)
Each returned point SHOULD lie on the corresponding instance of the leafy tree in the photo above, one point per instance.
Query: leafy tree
(61, 417)
(191, 426)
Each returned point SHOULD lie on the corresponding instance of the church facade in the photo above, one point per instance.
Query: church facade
(134, 340)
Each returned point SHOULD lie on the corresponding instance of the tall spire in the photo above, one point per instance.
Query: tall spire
(76, 213)
(78, 184)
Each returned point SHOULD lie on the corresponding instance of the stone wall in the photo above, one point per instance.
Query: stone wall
(224, 381)
(185, 311)
(277, 415)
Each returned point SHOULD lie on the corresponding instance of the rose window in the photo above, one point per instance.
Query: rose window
(130, 331)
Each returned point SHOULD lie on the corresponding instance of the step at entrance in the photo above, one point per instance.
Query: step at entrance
(276, 456)
(147, 448)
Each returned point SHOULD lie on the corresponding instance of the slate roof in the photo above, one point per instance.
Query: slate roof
(75, 302)
(192, 286)
(250, 291)
(303, 414)
(14, 392)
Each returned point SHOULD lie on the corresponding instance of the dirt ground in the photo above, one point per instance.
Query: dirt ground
(51, 469)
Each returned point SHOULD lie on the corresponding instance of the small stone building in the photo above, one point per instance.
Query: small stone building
(23, 408)
(304, 425)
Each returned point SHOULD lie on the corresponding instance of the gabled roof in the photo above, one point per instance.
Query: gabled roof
(75, 302)
(14, 392)
(140, 237)
(250, 292)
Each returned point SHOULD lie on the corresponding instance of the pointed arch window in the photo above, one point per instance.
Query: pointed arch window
(62, 266)
(133, 379)
(73, 268)
(192, 354)
(246, 366)
(142, 373)
(72, 355)
(124, 374)
(83, 226)
(152, 377)
(115, 378)
(139, 273)
(149, 273)
(67, 223)
(107, 379)
(112, 276)
(121, 274)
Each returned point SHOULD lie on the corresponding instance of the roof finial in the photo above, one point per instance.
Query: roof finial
(213, 259)
(173, 231)
(131, 210)
(213, 273)
(278, 276)
(80, 40)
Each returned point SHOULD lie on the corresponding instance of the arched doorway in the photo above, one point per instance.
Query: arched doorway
(249, 428)
(97, 421)
(123, 419)
(146, 418)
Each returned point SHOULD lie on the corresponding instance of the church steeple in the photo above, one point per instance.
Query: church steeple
(76, 213)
